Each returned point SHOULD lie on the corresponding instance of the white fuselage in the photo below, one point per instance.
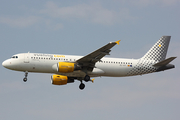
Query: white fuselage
(43, 63)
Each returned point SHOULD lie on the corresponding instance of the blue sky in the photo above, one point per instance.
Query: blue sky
(78, 28)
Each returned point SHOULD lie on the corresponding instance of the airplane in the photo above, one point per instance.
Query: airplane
(68, 68)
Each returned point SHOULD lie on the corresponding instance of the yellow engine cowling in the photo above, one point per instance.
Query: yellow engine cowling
(65, 67)
(59, 80)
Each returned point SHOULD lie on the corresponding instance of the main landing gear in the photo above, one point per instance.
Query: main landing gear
(86, 79)
(25, 78)
(82, 86)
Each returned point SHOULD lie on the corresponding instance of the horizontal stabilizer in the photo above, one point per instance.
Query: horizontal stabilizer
(164, 62)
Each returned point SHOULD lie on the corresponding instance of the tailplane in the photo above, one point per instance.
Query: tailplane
(164, 65)
(164, 62)
(159, 50)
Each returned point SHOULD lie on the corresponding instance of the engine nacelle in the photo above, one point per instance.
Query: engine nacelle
(65, 67)
(59, 80)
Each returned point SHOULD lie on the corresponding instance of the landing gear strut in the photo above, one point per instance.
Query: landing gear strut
(25, 78)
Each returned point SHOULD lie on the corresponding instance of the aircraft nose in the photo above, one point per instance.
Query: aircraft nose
(6, 63)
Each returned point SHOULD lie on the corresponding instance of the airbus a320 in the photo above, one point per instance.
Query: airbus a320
(68, 68)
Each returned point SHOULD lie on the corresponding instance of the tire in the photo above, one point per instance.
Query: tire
(82, 86)
(25, 79)
(86, 78)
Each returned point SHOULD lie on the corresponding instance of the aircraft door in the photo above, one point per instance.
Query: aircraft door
(26, 58)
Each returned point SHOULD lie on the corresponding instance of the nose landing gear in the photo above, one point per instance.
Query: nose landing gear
(25, 78)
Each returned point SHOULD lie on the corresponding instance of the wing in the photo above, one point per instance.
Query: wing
(88, 61)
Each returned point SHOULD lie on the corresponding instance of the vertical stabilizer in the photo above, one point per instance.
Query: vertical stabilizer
(159, 50)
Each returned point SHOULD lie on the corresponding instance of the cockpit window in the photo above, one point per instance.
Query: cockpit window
(14, 57)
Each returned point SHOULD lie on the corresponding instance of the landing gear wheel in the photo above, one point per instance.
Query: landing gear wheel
(82, 86)
(86, 78)
(25, 79)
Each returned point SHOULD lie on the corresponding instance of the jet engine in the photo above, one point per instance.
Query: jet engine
(60, 80)
(65, 67)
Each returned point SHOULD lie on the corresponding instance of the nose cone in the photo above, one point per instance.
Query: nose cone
(6, 64)
(11, 64)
